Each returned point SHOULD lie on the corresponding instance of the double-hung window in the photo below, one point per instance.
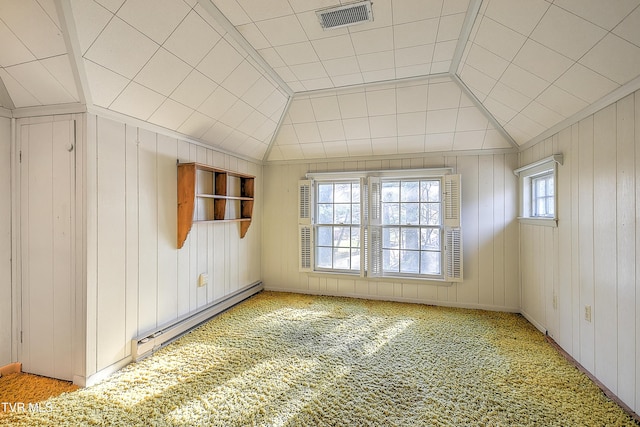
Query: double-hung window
(382, 224)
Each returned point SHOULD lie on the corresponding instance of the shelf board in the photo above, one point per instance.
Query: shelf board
(215, 196)
(202, 221)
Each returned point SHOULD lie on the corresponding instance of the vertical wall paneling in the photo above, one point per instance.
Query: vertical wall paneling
(512, 237)
(564, 282)
(626, 247)
(468, 168)
(604, 237)
(185, 288)
(6, 321)
(499, 231)
(201, 234)
(637, 261)
(192, 240)
(576, 306)
(485, 231)
(131, 227)
(91, 164)
(111, 239)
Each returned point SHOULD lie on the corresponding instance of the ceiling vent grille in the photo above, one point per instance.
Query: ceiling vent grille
(342, 16)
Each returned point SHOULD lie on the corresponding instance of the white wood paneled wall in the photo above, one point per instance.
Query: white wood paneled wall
(490, 232)
(593, 256)
(5, 243)
(137, 278)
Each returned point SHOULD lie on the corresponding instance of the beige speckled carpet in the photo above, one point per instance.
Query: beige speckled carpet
(295, 360)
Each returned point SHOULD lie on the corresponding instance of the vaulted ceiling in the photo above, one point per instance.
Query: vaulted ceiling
(262, 79)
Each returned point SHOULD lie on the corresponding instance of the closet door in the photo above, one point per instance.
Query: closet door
(47, 174)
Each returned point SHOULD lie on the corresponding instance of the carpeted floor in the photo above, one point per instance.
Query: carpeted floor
(295, 360)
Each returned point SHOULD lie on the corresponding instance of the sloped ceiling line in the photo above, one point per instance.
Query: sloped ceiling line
(275, 132)
(469, 21)
(5, 99)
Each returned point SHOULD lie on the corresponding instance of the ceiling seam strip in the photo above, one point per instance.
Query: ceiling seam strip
(484, 111)
(469, 21)
(239, 38)
(70, 34)
(277, 129)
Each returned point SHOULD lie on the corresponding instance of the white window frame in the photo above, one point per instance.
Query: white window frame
(527, 175)
(371, 226)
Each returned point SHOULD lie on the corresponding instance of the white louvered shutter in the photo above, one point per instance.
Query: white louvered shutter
(452, 198)
(453, 228)
(374, 236)
(453, 254)
(364, 231)
(305, 231)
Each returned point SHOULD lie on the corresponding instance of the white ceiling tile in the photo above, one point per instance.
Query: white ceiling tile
(291, 152)
(20, 96)
(441, 121)
(261, 10)
(297, 53)
(30, 23)
(489, 63)
(336, 149)
(411, 98)
(284, 30)
(347, 80)
(380, 75)
(342, 66)
(137, 101)
(509, 97)
(523, 81)
(220, 62)
(313, 150)
(603, 13)
(411, 123)
(90, 19)
(50, 9)
(40, 83)
(258, 92)
(310, 71)
(170, 114)
(526, 125)
(415, 33)
(542, 61)
(274, 104)
(122, 49)
(541, 114)
(476, 80)
(411, 144)
(501, 112)
(104, 84)
(353, 105)
(381, 102)
(60, 69)
(450, 7)
(163, 73)
(443, 95)
(518, 135)
(377, 61)
(471, 140)
(301, 111)
(381, 17)
(326, 108)
(217, 133)
(567, 33)
(306, 5)
(561, 101)
(316, 84)
(413, 71)
(196, 125)
(494, 139)
(252, 122)
(12, 50)
(444, 51)
(415, 10)
(192, 40)
(440, 67)
(236, 114)
(155, 18)
(416, 55)
(242, 78)
(470, 118)
(265, 131)
(519, 15)
(232, 10)
(628, 29)
(287, 75)
(383, 126)
(111, 5)
(384, 146)
(585, 83)
(331, 130)
(450, 27)
(218, 103)
(371, 41)
(359, 147)
(333, 47)
(287, 135)
(307, 132)
(357, 128)
(313, 30)
(438, 142)
(195, 88)
(253, 35)
(271, 56)
(614, 58)
(275, 154)
(499, 39)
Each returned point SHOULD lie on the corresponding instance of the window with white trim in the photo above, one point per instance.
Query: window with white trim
(538, 190)
(382, 224)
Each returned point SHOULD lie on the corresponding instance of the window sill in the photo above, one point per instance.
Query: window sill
(389, 279)
(545, 222)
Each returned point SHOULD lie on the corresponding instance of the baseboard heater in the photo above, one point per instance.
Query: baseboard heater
(150, 342)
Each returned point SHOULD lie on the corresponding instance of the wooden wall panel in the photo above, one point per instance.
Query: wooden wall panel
(6, 321)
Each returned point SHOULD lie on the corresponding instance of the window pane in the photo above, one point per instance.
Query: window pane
(550, 186)
(342, 193)
(355, 214)
(410, 238)
(390, 260)
(355, 237)
(355, 193)
(540, 187)
(541, 207)
(430, 239)
(409, 213)
(410, 262)
(391, 213)
(391, 238)
(325, 193)
(342, 258)
(430, 213)
(342, 236)
(325, 237)
(323, 257)
(410, 191)
(551, 206)
(430, 191)
(325, 214)
(355, 259)
(391, 191)
(342, 214)
(430, 263)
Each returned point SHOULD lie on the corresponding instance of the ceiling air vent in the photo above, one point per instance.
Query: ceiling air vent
(342, 16)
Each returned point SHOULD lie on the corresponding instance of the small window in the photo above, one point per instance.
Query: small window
(538, 190)
(543, 196)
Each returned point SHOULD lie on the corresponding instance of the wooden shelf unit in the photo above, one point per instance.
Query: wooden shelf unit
(208, 194)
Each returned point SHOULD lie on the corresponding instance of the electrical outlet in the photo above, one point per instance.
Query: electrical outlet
(587, 313)
(203, 279)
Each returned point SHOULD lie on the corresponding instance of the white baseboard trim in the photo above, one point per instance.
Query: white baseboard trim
(534, 322)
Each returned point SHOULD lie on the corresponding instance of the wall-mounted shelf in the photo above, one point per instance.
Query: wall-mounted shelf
(208, 194)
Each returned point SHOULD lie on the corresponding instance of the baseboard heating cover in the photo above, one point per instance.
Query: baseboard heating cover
(152, 341)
